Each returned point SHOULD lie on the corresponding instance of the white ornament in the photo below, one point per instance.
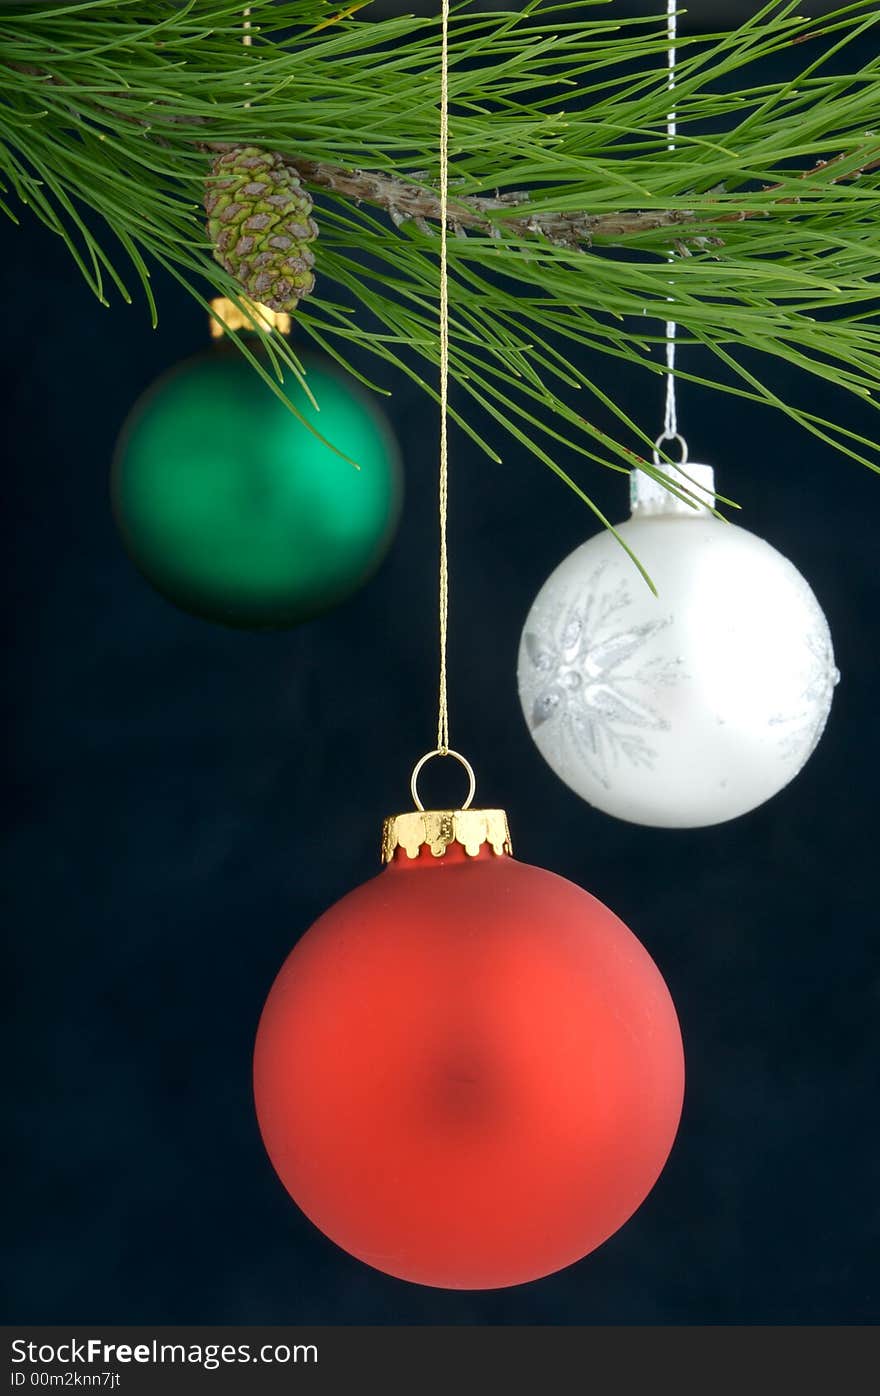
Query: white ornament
(690, 707)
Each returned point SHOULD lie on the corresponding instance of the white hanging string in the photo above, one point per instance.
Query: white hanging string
(670, 417)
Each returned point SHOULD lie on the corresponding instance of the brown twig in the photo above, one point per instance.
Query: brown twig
(407, 202)
(872, 163)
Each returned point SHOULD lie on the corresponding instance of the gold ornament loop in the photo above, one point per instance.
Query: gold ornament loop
(429, 756)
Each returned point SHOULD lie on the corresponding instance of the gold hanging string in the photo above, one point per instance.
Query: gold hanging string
(443, 705)
(443, 748)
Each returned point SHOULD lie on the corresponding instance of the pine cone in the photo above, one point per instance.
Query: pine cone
(260, 226)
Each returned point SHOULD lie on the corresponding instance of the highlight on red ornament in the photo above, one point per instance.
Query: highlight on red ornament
(469, 1072)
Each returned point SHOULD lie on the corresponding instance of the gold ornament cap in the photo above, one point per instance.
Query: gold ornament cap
(438, 829)
(249, 315)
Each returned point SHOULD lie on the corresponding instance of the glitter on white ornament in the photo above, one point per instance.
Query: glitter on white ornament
(690, 707)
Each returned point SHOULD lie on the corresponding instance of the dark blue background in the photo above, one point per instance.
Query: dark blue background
(183, 801)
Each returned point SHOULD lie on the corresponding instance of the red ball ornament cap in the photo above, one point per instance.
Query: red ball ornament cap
(439, 829)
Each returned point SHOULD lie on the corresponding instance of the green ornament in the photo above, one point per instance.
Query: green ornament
(235, 511)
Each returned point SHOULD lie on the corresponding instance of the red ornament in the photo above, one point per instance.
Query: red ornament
(468, 1073)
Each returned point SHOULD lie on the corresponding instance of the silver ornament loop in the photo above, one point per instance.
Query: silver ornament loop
(429, 756)
(671, 436)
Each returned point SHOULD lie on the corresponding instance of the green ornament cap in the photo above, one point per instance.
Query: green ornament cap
(260, 226)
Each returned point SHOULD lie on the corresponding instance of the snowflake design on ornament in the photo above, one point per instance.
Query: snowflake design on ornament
(804, 728)
(586, 685)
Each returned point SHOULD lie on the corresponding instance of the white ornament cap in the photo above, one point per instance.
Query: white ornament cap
(648, 496)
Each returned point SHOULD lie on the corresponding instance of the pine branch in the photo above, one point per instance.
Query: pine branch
(407, 202)
(559, 132)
